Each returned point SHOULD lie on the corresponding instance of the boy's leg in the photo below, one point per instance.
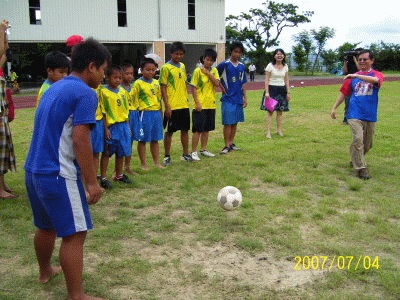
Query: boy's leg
(167, 143)
(204, 140)
(104, 182)
(155, 152)
(104, 164)
(195, 141)
(44, 241)
(233, 133)
(185, 144)
(96, 161)
(119, 165)
(71, 259)
(142, 155)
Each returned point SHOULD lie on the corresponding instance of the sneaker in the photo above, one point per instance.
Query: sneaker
(195, 156)
(206, 153)
(187, 157)
(167, 161)
(225, 150)
(233, 147)
(363, 174)
(105, 183)
(123, 179)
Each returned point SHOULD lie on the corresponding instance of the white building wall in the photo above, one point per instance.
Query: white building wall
(98, 19)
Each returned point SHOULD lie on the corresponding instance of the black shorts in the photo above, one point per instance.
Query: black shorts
(203, 120)
(180, 120)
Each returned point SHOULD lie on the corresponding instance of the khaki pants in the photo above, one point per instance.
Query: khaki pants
(362, 132)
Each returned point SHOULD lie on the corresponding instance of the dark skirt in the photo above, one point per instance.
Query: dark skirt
(279, 93)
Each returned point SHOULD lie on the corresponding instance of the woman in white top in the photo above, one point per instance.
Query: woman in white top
(277, 87)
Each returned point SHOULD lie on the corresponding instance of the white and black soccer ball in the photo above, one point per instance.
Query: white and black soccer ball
(229, 198)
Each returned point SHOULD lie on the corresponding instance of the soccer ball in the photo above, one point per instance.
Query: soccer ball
(229, 198)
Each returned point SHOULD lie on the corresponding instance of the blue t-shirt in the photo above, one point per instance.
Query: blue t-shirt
(363, 103)
(232, 78)
(67, 103)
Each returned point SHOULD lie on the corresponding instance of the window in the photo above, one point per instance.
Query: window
(191, 14)
(35, 17)
(122, 18)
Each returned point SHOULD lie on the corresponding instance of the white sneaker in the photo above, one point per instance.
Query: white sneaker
(195, 156)
(206, 153)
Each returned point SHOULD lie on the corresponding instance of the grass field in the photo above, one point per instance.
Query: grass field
(304, 216)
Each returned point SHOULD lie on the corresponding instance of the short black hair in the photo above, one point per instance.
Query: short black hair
(56, 59)
(87, 52)
(147, 60)
(210, 53)
(235, 45)
(113, 68)
(126, 65)
(177, 46)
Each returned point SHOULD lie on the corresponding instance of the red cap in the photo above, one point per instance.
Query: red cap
(74, 40)
(1, 72)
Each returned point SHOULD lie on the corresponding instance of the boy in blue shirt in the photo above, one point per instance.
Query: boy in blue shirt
(59, 153)
(233, 77)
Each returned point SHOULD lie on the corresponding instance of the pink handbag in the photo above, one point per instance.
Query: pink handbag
(270, 103)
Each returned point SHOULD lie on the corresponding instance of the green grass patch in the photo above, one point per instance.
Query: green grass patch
(165, 237)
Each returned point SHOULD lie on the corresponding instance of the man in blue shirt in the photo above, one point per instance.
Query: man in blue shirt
(363, 88)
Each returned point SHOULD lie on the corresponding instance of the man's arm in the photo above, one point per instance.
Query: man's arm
(335, 106)
(84, 156)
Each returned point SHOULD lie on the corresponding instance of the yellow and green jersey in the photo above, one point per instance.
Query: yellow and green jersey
(115, 104)
(132, 103)
(205, 89)
(45, 86)
(147, 93)
(100, 106)
(174, 77)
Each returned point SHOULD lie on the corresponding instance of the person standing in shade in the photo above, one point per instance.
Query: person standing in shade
(252, 71)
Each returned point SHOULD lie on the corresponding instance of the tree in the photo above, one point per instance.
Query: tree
(321, 36)
(330, 60)
(304, 42)
(300, 57)
(260, 29)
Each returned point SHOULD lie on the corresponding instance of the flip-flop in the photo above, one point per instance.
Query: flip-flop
(11, 196)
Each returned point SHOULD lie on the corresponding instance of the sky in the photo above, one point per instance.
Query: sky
(363, 22)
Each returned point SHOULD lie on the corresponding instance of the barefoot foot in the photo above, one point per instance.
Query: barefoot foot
(46, 276)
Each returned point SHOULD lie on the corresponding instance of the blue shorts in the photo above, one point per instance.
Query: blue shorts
(120, 142)
(135, 125)
(232, 113)
(152, 125)
(58, 204)
(97, 137)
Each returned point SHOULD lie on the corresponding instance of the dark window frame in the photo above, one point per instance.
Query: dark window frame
(191, 14)
(122, 14)
(34, 7)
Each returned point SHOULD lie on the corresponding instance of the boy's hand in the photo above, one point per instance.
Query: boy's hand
(95, 192)
(107, 134)
(198, 107)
